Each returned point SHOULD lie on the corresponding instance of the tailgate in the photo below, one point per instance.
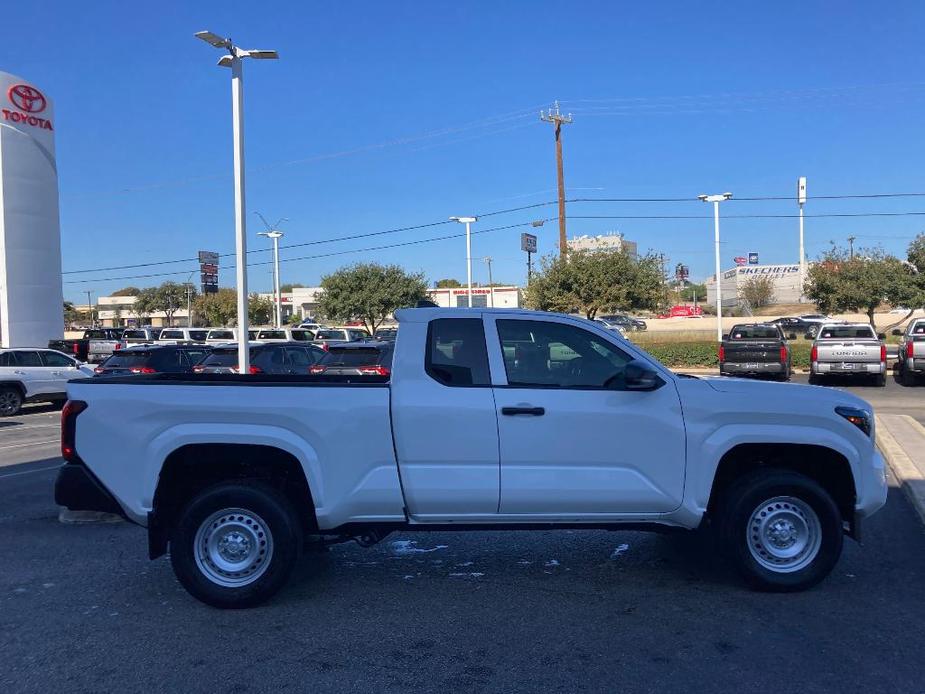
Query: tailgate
(848, 352)
(752, 352)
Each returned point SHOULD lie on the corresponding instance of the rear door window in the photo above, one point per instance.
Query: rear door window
(56, 360)
(221, 335)
(127, 359)
(25, 358)
(456, 352)
(171, 335)
(7, 359)
(299, 357)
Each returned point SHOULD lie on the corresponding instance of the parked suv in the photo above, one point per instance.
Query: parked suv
(176, 335)
(328, 335)
(152, 359)
(35, 375)
(135, 336)
(269, 358)
(356, 359)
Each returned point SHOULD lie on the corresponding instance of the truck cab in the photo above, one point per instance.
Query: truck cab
(912, 353)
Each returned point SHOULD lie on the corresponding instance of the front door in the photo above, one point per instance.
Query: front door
(443, 419)
(572, 439)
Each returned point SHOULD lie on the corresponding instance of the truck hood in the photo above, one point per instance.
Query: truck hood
(782, 393)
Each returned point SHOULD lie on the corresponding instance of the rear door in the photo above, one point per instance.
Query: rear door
(32, 372)
(444, 423)
(60, 369)
(572, 439)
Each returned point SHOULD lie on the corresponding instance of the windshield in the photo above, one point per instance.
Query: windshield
(127, 359)
(271, 335)
(134, 334)
(753, 332)
(847, 332)
(221, 335)
(331, 335)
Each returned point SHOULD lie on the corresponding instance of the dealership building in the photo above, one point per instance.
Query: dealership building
(785, 279)
(482, 297)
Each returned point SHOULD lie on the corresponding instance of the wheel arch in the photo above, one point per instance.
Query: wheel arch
(193, 467)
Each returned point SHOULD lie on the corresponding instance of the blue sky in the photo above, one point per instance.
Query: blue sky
(385, 115)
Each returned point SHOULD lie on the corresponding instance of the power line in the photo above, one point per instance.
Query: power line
(755, 216)
(323, 255)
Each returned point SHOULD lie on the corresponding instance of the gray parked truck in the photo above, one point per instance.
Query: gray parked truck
(912, 352)
(848, 349)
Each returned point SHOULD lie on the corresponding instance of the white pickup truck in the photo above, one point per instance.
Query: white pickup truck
(848, 350)
(912, 353)
(500, 419)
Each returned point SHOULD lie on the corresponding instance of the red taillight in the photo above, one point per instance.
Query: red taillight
(250, 369)
(317, 369)
(324, 346)
(99, 370)
(75, 348)
(783, 355)
(118, 346)
(814, 354)
(722, 353)
(910, 349)
(143, 370)
(69, 413)
(198, 369)
(374, 370)
(882, 352)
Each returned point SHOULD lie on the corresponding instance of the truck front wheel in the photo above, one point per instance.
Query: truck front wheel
(235, 544)
(782, 530)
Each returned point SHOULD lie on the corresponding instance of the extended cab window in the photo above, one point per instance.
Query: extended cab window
(546, 354)
(754, 332)
(456, 352)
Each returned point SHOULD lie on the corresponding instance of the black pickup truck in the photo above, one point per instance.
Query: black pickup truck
(755, 349)
(94, 347)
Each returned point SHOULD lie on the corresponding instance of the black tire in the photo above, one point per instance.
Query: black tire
(906, 377)
(269, 513)
(815, 379)
(742, 505)
(10, 401)
(880, 380)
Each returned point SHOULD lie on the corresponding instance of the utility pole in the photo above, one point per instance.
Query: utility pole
(851, 247)
(491, 284)
(801, 200)
(558, 120)
(90, 309)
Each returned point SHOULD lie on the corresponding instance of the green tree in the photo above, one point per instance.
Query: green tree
(694, 292)
(916, 253)
(217, 308)
(758, 291)
(166, 298)
(260, 310)
(839, 282)
(71, 314)
(369, 292)
(448, 284)
(597, 281)
(127, 291)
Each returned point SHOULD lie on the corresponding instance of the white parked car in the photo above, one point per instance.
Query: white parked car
(489, 419)
(36, 375)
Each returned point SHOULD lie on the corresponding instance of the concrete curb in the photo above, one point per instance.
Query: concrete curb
(910, 478)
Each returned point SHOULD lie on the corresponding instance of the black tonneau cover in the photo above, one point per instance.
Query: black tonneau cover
(211, 379)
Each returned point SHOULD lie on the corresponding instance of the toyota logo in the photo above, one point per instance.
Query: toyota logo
(26, 98)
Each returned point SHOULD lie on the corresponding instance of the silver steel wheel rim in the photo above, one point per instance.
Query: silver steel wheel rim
(233, 547)
(784, 534)
(8, 401)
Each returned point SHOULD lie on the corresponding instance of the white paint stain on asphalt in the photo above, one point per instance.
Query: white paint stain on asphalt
(407, 547)
(472, 574)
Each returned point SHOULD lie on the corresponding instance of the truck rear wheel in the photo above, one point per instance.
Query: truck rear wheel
(783, 531)
(235, 544)
(906, 377)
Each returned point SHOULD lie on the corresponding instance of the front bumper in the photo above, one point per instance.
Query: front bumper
(79, 490)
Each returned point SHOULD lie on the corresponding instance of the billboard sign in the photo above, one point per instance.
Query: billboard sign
(681, 272)
(753, 258)
(740, 260)
(528, 243)
(208, 272)
(801, 190)
(30, 235)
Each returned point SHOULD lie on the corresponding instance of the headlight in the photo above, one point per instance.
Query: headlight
(860, 418)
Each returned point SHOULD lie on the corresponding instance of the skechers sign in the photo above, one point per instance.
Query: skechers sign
(27, 101)
(769, 270)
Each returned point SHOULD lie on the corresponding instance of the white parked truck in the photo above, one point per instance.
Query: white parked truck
(500, 419)
(848, 349)
(912, 353)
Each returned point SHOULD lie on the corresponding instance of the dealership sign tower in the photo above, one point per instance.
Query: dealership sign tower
(30, 234)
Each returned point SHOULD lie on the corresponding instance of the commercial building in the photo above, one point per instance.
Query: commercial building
(785, 280)
(610, 242)
(119, 311)
(482, 297)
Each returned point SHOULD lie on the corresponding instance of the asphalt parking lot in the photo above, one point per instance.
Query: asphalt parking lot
(83, 610)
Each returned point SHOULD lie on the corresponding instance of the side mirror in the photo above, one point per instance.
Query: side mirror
(896, 332)
(638, 375)
(881, 336)
(791, 336)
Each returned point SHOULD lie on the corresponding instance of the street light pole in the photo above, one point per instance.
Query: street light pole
(233, 60)
(716, 200)
(801, 200)
(491, 284)
(467, 221)
(275, 235)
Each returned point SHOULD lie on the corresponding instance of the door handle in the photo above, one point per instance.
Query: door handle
(20, 373)
(532, 411)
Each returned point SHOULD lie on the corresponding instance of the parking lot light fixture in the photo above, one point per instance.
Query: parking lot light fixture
(275, 235)
(233, 60)
(716, 200)
(467, 221)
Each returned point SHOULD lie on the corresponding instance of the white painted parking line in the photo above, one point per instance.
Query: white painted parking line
(29, 472)
(29, 443)
(13, 429)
